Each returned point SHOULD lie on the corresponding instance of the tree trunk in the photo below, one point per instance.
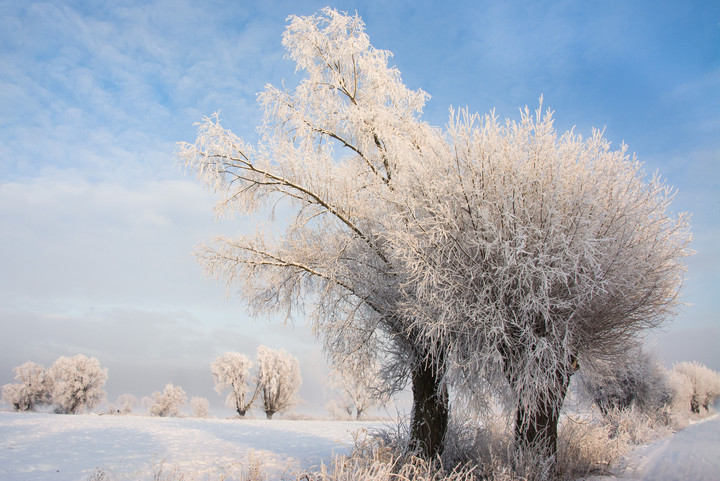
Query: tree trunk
(430, 412)
(269, 414)
(537, 428)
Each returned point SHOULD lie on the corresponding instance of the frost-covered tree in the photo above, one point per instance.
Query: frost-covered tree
(168, 402)
(200, 407)
(77, 383)
(357, 381)
(333, 153)
(531, 251)
(232, 371)
(636, 378)
(278, 379)
(126, 403)
(32, 389)
(704, 383)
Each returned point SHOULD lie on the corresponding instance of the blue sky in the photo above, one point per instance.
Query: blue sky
(99, 222)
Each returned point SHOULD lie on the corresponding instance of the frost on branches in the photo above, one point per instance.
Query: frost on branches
(278, 380)
(168, 402)
(232, 371)
(531, 252)
(77, 383)
(493, 255)
(32, 389)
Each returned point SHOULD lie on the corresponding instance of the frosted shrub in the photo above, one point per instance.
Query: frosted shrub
(232, 371)
(32, 389)
(278, 379)
(77, 383)
(200, 407)
(168, 402)
(586, 447)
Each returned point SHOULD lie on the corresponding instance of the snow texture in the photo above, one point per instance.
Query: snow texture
(691, 454)
(41, 446)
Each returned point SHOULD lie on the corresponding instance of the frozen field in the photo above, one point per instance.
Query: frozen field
(35, 446)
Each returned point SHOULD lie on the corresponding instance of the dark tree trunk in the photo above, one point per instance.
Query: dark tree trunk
(537, 428)
(269, 414)
(430, 411)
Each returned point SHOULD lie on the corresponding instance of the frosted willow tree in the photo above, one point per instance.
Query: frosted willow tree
(278, 380)
(232, 371)
(31, 390)
(168, 402)
(333, 152)
(530, 252)
(77, 383)
(358, 381)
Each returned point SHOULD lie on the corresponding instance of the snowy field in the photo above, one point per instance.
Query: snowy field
(39, 447)
(35, 446)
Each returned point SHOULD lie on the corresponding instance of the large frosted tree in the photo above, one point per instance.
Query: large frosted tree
(488, 255)
(331, 155)
(530, 252)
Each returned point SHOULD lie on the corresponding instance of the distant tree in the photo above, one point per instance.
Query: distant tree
(530, 251)
(704, 383)
(200, 407)
(358, 382)
(232, 371)
(168, 402)
(33, 388)
(635, 378)
(278, 379)
(77, 383)
(126, 403)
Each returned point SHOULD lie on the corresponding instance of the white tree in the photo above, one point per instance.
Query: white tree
(635, 379)
(126, 403)
(530, 251)
(334, 152)
(32, 388)
(359, 384)
(168, 402)
(278, 379)
(704, 382)
(77, 383)
(200, 407)
(232, 371)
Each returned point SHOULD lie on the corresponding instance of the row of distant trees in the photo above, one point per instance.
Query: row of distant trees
(75, 384)
(645, 384)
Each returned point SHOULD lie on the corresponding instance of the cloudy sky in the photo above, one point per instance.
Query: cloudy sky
(98, 222)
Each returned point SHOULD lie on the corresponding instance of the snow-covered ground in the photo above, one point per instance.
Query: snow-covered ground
(692, 454)
(36, 446)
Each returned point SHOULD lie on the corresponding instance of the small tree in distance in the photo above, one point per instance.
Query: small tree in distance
(278, 379)
(77, 383)
(168, 402)
(200, 407)
(232, 371)
(33, 388)
(126, 403)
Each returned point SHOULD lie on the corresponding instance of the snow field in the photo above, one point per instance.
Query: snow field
(52, 447)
